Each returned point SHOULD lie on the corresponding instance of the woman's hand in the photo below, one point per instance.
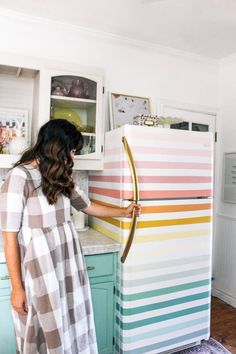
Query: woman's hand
(100, 210)
(19, 301)
(132, 209)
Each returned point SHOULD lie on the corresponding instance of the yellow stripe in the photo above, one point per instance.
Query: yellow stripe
(153, 237)
(170, 222)
(105, 231)
(171, 236)
(158, 223)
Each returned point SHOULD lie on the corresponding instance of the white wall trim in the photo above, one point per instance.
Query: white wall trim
(224, 297)
(9, 14)
(226, 216)
(189, 107)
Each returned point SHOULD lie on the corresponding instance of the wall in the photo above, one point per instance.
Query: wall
(224, 283)
(130, 67)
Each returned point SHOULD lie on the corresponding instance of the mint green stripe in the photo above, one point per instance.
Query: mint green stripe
(166, 317)
(204, 333)
(144, 281)
(162, 331)
(164, 264)
(163, 291)
(161, 305)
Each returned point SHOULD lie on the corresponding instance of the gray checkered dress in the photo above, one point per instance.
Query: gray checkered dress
(60, 317)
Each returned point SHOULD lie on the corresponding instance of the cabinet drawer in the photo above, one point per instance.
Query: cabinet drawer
(5, 285)
(100, 264)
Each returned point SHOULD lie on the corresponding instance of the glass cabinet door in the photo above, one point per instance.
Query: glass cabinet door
(75, 98)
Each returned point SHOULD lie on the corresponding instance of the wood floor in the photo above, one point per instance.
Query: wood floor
(223, 324)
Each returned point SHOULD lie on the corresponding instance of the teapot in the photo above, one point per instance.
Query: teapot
(79, 89)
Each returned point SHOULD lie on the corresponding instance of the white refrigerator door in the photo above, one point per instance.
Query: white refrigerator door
(163, 296)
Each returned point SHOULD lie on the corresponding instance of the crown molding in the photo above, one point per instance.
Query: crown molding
(108, 37)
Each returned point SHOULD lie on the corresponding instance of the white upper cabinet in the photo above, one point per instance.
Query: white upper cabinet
(56, 90)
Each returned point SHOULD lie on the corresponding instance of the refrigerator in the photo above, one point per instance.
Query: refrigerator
(164, 265)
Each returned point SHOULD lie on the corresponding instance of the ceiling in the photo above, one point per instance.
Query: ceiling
(203, 27)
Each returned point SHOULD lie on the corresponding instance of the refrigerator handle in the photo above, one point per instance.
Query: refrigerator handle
(135, 199)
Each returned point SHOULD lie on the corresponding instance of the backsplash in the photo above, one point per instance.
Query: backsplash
(80, 178)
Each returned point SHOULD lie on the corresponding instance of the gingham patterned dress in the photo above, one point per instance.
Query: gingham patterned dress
(60, 317)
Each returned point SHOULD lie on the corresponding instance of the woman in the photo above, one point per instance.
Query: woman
(50, 296)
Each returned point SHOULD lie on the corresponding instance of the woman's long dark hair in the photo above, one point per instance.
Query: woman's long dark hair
(52, 150)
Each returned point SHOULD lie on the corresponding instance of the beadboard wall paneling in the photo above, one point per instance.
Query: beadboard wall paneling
(224, 260)
(16, 92)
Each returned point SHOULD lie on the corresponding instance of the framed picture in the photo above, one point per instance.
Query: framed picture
(13, 123)
(123, 108)
(229, 180)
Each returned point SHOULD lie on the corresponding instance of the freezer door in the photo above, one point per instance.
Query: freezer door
(169, 163)
(163, 296)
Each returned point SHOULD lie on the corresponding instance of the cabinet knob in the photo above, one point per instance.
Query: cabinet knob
(5, 277)
(90, 268)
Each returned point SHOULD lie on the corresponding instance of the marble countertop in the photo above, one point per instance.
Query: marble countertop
(92, 242)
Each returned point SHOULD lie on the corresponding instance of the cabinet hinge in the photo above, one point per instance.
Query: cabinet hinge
(114, 289)
(101, 148)
(113, 340)
(103, 89)
(215, 136)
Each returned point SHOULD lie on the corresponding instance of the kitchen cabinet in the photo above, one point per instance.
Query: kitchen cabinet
(102, 276)
(75, 94)
(50, 90)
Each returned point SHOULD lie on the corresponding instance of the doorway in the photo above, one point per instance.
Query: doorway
(194, 119)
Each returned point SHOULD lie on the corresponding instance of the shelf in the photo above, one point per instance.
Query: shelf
(71, 102)
(17, 71)
(87, 134)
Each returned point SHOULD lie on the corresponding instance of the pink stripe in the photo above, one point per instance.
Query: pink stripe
(151, 194)
(160, 164)
(153, 179)
(115, 179)
(161, 151)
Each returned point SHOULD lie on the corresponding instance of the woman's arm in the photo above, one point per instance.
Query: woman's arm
(104, 211)
(12, 254)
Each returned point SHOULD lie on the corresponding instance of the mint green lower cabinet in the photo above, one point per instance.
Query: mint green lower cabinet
(102, 276)
(7, 334)
(102, 297)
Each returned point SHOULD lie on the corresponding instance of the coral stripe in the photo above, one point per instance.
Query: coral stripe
(153, 179)
(113, 193)
(175, 208)
(157, 194)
